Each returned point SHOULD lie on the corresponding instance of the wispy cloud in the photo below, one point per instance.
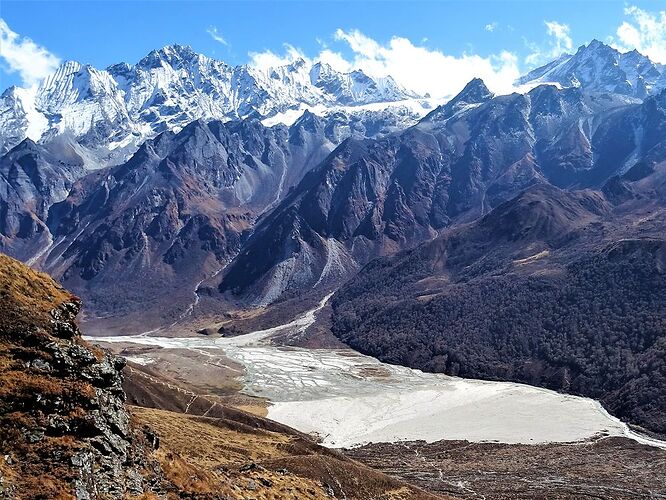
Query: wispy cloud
(560, 42)
(491, 26)
(562, 39)
(20, 54)
(645, 32)
(215, 35)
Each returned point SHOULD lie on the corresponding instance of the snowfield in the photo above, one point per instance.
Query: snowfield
(349, 399)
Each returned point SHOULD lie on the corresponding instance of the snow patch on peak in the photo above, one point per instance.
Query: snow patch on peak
(37, 123)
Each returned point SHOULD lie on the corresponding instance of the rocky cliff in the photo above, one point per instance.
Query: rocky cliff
(64, 430)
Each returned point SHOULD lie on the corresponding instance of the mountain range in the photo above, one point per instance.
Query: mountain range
(109, 112)
(171, 190)
(601, 68)
(266, 191)
(105, 114)
(374, 197)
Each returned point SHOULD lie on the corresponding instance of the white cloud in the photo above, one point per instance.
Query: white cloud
(560, 32)
(425, 70)
(31, 61)
(335, 60)
(645, 32)
(560, 42)
(269, 59)
(215, 35)
(491, 26)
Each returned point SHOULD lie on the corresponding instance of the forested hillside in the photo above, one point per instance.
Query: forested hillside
(578, 315)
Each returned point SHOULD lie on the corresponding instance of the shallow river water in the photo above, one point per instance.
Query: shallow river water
(349, 399)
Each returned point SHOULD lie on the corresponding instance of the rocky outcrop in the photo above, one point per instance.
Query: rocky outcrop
(65, 431)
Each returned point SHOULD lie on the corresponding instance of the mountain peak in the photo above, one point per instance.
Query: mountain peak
(320, 68)
(596, 47)
(594, 43)
(474, 92)
(297, 63)
(170, 54)
(598, 67)
(66, 68)
(183, 51)
(10, 92)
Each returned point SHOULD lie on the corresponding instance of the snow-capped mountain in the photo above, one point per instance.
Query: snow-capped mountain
(466, 158)
(110, 112)
(355, 87)
(600, 68)
(106, 114)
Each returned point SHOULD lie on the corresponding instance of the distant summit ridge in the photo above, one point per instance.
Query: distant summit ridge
(601, 68)
(111, 111)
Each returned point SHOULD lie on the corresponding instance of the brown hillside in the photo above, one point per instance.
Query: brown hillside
(66, 432)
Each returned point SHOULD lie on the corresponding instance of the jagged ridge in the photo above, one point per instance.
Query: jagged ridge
(112, 111)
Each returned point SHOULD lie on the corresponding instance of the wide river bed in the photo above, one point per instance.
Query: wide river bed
(349, 399)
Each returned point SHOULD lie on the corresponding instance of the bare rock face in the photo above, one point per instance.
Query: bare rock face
(373, 197)
(64, 428)
(32, 178)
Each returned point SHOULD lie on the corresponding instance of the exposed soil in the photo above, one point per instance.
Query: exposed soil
(615, 468)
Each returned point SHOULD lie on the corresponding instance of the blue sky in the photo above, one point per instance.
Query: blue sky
(490, 35)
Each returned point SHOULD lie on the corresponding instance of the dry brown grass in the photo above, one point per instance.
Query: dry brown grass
(259, 410)
(205, 456)
(27, 295)
(211, 443)
(223, 448)
(188, 478)
(33, 472)
(20, 384)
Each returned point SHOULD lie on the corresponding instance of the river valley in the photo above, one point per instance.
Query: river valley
(348, 399)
